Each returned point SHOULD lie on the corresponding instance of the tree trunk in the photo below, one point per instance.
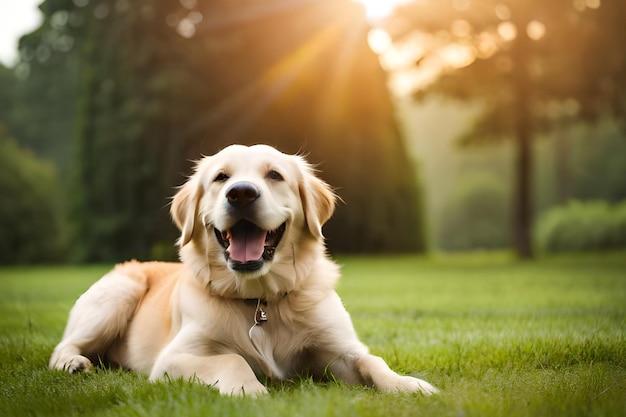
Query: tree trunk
(524, 162)
(523, 192)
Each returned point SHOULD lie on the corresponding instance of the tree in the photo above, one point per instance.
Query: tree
(30, 216)
(521, 59)
(162, 82)
(44, 90)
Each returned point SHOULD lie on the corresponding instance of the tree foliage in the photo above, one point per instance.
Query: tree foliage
(41, 92)
(30, 215)
(162, 82)
(565, 47)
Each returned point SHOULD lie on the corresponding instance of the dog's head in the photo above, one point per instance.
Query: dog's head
(246, 210)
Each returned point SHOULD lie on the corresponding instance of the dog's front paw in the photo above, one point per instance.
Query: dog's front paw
(248, 389)
(410, 384)
(75, 364)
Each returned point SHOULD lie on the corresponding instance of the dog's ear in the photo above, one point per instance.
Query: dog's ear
(184, 209)
(318, 200)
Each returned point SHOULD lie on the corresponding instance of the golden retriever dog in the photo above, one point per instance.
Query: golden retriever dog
(252, 297)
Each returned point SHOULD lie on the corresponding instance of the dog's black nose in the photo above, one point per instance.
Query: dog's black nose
(242, 194)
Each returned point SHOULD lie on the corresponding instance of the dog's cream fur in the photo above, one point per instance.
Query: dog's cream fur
(196, 319)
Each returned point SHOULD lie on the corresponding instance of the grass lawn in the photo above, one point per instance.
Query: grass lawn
(497, 336)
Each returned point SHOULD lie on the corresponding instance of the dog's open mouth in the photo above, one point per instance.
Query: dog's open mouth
(246, 245)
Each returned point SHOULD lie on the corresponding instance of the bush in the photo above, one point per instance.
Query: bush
(30, 216)
(477, 215)
(582, 226)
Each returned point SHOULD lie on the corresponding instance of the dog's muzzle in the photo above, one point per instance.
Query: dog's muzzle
(246, 245)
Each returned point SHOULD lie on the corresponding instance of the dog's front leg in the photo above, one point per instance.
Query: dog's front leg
(229, 373)
(349, 360)
(375, 372)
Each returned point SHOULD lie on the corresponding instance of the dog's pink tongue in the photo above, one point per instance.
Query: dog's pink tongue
(246, 243)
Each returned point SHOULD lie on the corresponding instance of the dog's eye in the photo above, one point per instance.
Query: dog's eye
(221, 177)
(273, 175)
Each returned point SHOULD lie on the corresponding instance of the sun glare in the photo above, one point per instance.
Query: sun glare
(376, 10)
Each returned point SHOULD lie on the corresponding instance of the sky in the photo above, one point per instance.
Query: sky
(17, 17)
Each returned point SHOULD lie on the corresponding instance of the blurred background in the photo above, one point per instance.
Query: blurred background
(444, 125)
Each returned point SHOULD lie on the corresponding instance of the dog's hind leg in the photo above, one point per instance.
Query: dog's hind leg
(99, 316)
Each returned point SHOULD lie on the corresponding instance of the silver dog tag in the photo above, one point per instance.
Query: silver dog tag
(260, 316)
